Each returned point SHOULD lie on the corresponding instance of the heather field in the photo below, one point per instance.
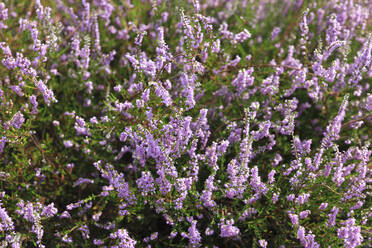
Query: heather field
(186, 123)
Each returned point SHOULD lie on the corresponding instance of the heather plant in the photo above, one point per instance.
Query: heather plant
(166, 123)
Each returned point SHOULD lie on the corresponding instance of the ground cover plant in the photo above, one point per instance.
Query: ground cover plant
(169, 123)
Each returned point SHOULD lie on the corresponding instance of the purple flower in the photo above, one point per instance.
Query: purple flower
(293, 218)
(146, 183)
(302, 147)
(255, 182)
(277, 159)
(301, 199)
(98, 242)
(65, 214)
(17, 120)
(350, 233)
(275, 197)
(308, 241)
(323, 206)
(49, 211)
(248, 213)
(82, 181)
(368, 106)
(3, 15)
(358, 205)
(93, 120)
(193, 234)
(333, 30)
(161, 92)
(334, 127)
(304, 214)
(228, 230)
(290, 197)
(84, 231)
(275, 33)
(16, 89)
(154, 236)
(70, 165)
(3, 140)
(243, 80)
(241, 37)
(332, 216)
(304, 24)
(125, 241)
(68, 143)
(263, 243)
(80, 127)
(74, 205)
(6, 223)
(67, 239)
(47, 93)
(271, 178)
(139, 38)
(208, 231)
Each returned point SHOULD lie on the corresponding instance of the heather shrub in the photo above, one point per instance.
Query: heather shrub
(169, 123)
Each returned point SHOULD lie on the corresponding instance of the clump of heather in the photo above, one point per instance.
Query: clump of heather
(243, 123)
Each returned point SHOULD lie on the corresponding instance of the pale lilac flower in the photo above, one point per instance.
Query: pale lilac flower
(302, 199)
(293, 218)
(16, 89)
(228, 230)
(193, 235)
(98, 242)
(275, 197)
(49, 211)
(55, 123)
(125, 241)
(334, 127)
(80, 127)
(290, 197)
(6, 223)
(271, 178)
(82, 181)
(350, 233)
(323, 206)
(65, 214)
(3, 15)
(48, 94)
(3, 140)
(84, 230)
(248, 213)
(275, 33)
(17, 120)
(277, 159)
(209, 231)
(304, 214)
(67, 239)
(146, 183)
(161, 92)
(68, 143)
(263, 243)
(308, 241)
(332, 216)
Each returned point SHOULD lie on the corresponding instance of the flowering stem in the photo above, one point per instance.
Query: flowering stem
(356, 120)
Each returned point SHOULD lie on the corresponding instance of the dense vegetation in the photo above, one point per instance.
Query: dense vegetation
(169, 123)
